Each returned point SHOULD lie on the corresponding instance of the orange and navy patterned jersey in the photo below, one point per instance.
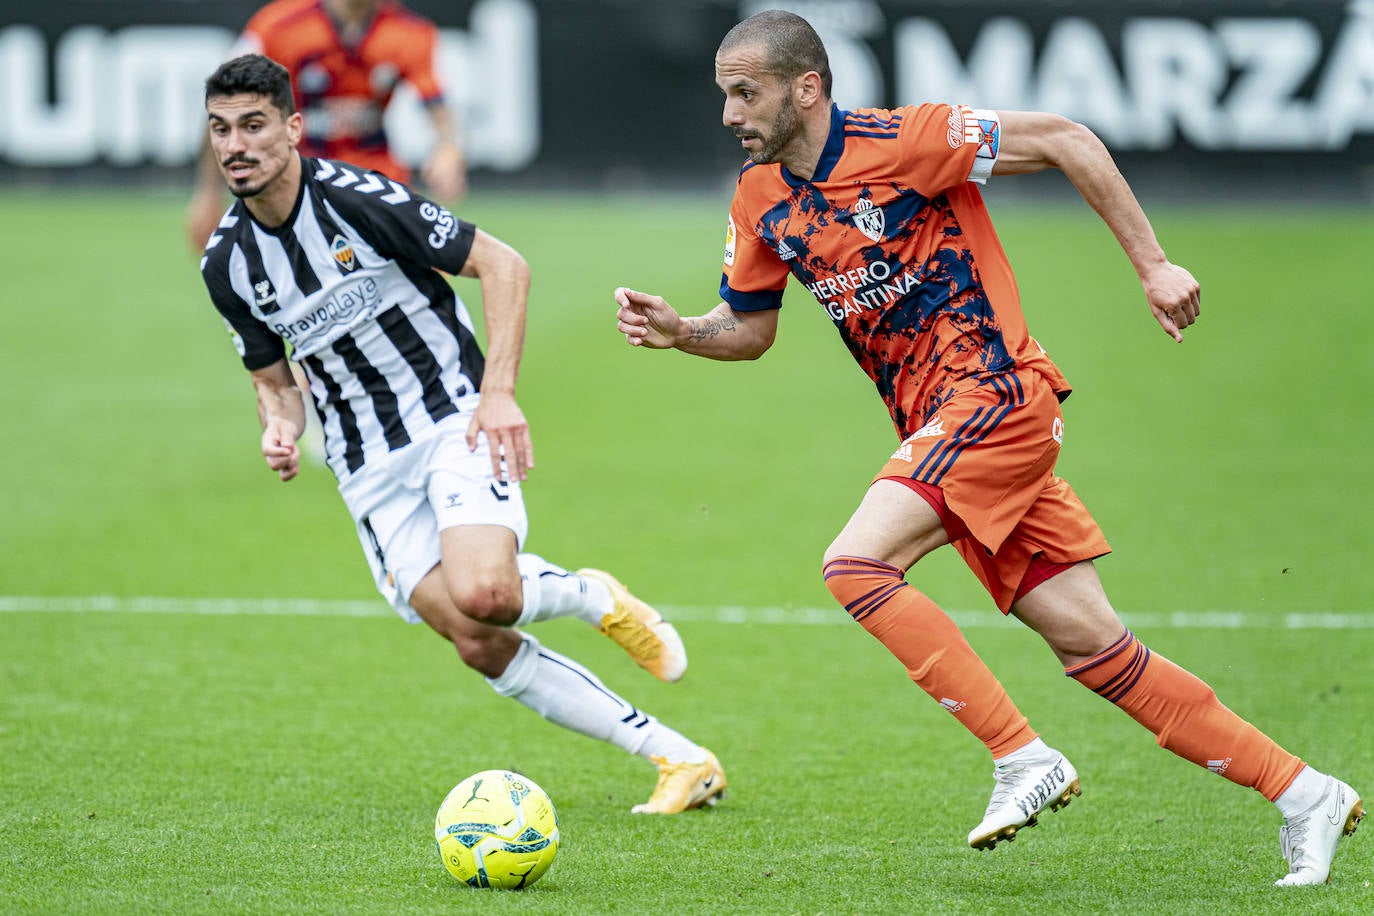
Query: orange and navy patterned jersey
(342, 90)
(892, 238)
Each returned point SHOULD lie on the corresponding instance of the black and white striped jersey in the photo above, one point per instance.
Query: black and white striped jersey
(351, 283)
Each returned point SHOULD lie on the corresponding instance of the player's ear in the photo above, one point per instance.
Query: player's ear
(295, 126)
(806, 89)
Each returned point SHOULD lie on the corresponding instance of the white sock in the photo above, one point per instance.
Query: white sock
(1305, 791)
(551, 591)
(566, 694)
(1033, 751)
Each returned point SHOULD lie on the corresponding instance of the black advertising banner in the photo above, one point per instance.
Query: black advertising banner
(1259, 96)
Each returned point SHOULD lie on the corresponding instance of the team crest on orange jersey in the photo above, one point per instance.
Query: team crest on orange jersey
(343, 254)
(869, 219)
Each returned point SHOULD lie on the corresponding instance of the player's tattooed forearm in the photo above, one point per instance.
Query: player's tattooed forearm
(702, 328)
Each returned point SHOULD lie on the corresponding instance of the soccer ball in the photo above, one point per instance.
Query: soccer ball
(496, 829)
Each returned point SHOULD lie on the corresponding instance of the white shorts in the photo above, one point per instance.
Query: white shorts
(402, 501)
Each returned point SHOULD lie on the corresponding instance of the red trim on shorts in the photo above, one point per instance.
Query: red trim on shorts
(954, 525)
(1039, 572)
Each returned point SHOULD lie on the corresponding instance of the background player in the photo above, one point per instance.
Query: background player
(346, 58)
(422, 431)
(877, 213)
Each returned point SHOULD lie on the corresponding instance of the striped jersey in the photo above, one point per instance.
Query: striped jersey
(350, 283)
(892, 238)
(343, 88)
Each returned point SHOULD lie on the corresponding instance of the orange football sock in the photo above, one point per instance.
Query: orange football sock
(934, 651)
(1186, 716)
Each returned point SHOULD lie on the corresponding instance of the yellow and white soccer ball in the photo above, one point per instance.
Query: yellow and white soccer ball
(497, 829)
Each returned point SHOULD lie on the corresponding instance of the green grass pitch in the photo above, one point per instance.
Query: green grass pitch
(196, 754)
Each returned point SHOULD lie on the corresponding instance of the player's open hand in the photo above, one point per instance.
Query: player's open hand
(508, 435)
(1175, 298)
(645, 320)
(279, 447)
(445, 173)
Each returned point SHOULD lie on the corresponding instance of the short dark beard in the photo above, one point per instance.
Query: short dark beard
(784, 129)
(242, 193)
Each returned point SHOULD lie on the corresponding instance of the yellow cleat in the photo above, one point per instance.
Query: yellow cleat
(641, 631)
(684, 786)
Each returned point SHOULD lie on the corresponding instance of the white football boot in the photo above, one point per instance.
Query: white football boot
(1308, 840)
(1023, 789)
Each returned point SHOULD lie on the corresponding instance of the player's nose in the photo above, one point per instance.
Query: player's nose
(235, 141)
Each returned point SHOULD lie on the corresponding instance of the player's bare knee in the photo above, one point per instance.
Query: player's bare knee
(492, 601)
(841, 548)
(486, 652)
(1083, 639)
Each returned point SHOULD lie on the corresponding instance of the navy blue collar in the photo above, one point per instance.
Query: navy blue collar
(830, 154)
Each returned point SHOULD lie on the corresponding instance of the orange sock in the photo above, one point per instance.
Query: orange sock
(1186, 716)
(934, 651)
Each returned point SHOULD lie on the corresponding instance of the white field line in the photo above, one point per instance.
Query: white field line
(727, 614)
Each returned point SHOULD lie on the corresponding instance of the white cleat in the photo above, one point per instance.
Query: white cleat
(1309, 840)
(1023, 790)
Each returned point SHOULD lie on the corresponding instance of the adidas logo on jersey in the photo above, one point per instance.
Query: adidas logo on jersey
(935, 427)
(952, 705)
(785, 251)
(1219, 766)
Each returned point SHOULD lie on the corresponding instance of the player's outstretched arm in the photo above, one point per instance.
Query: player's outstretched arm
(445, 168)
(281, 410)
(722, 333)
(505, 280)
(1034, 141)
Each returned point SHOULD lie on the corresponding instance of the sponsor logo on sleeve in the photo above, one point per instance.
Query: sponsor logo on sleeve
(956, 127)
(730, 241)
(234, 336)
(445, 226)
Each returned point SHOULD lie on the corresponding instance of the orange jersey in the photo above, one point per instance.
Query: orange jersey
(341, 89)
(892, 238)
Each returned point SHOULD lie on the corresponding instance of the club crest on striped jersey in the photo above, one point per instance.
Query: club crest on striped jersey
(342, 250)
(869, 219)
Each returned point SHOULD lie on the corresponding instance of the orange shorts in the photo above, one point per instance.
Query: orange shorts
(990, 451)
